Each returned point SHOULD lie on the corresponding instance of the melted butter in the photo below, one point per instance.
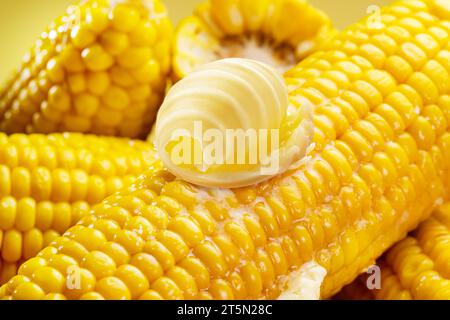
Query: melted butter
(305, 283)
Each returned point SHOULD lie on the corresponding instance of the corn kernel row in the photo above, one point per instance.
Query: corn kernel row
(100, 68)
(69, 167)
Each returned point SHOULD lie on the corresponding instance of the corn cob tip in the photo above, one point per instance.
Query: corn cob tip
(101, 68)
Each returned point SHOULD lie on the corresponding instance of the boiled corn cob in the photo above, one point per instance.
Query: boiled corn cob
(249, 29)
(48, 182)
(100, 68)
(416, 268)
(377, 169)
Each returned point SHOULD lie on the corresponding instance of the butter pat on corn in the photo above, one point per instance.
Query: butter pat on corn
(305, 283)
(228, 124)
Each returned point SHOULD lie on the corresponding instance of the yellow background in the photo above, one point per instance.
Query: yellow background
(21, 21)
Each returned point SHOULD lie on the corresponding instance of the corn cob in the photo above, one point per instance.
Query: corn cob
(377, 170)
(418, 267)
(249, 29)
(100, 68)
(48, 182)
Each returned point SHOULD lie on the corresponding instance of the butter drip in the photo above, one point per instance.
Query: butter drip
(305, 283)
(229, 124)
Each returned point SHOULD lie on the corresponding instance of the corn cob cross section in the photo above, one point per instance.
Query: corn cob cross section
(101, 68)
(47, 183)
(377, 170)
(249, 29)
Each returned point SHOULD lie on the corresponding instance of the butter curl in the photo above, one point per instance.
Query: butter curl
(229, 124)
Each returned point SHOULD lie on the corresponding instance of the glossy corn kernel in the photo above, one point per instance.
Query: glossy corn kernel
(249, 29)
(101, 57)
(417, 268)
(373, 175)
(47, 183)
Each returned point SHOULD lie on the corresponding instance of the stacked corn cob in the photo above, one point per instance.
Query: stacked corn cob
(47, 183)
(417, 267)
(101, 68)
(378, 168)
(249, 29)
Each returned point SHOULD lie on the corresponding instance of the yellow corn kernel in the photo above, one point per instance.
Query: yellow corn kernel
(49, 279)
(112, 288)
(12, 246)
(97, 19)
(100, 264)
(116, 98)
(55, 71)
(125, 18)
(28, 291)
(97, 82)
(86, 105)
(82, 36)
(144, 34)
(133, 278)
(96, 59)
(9, 270)
(59, 99)
(91, 296)
(62, 263)
(114, 42)
(71, 60)
(117, 252)
(77, 83)
(134, 57)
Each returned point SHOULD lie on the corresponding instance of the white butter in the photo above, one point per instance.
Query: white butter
(305, 283)
(228, 124)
